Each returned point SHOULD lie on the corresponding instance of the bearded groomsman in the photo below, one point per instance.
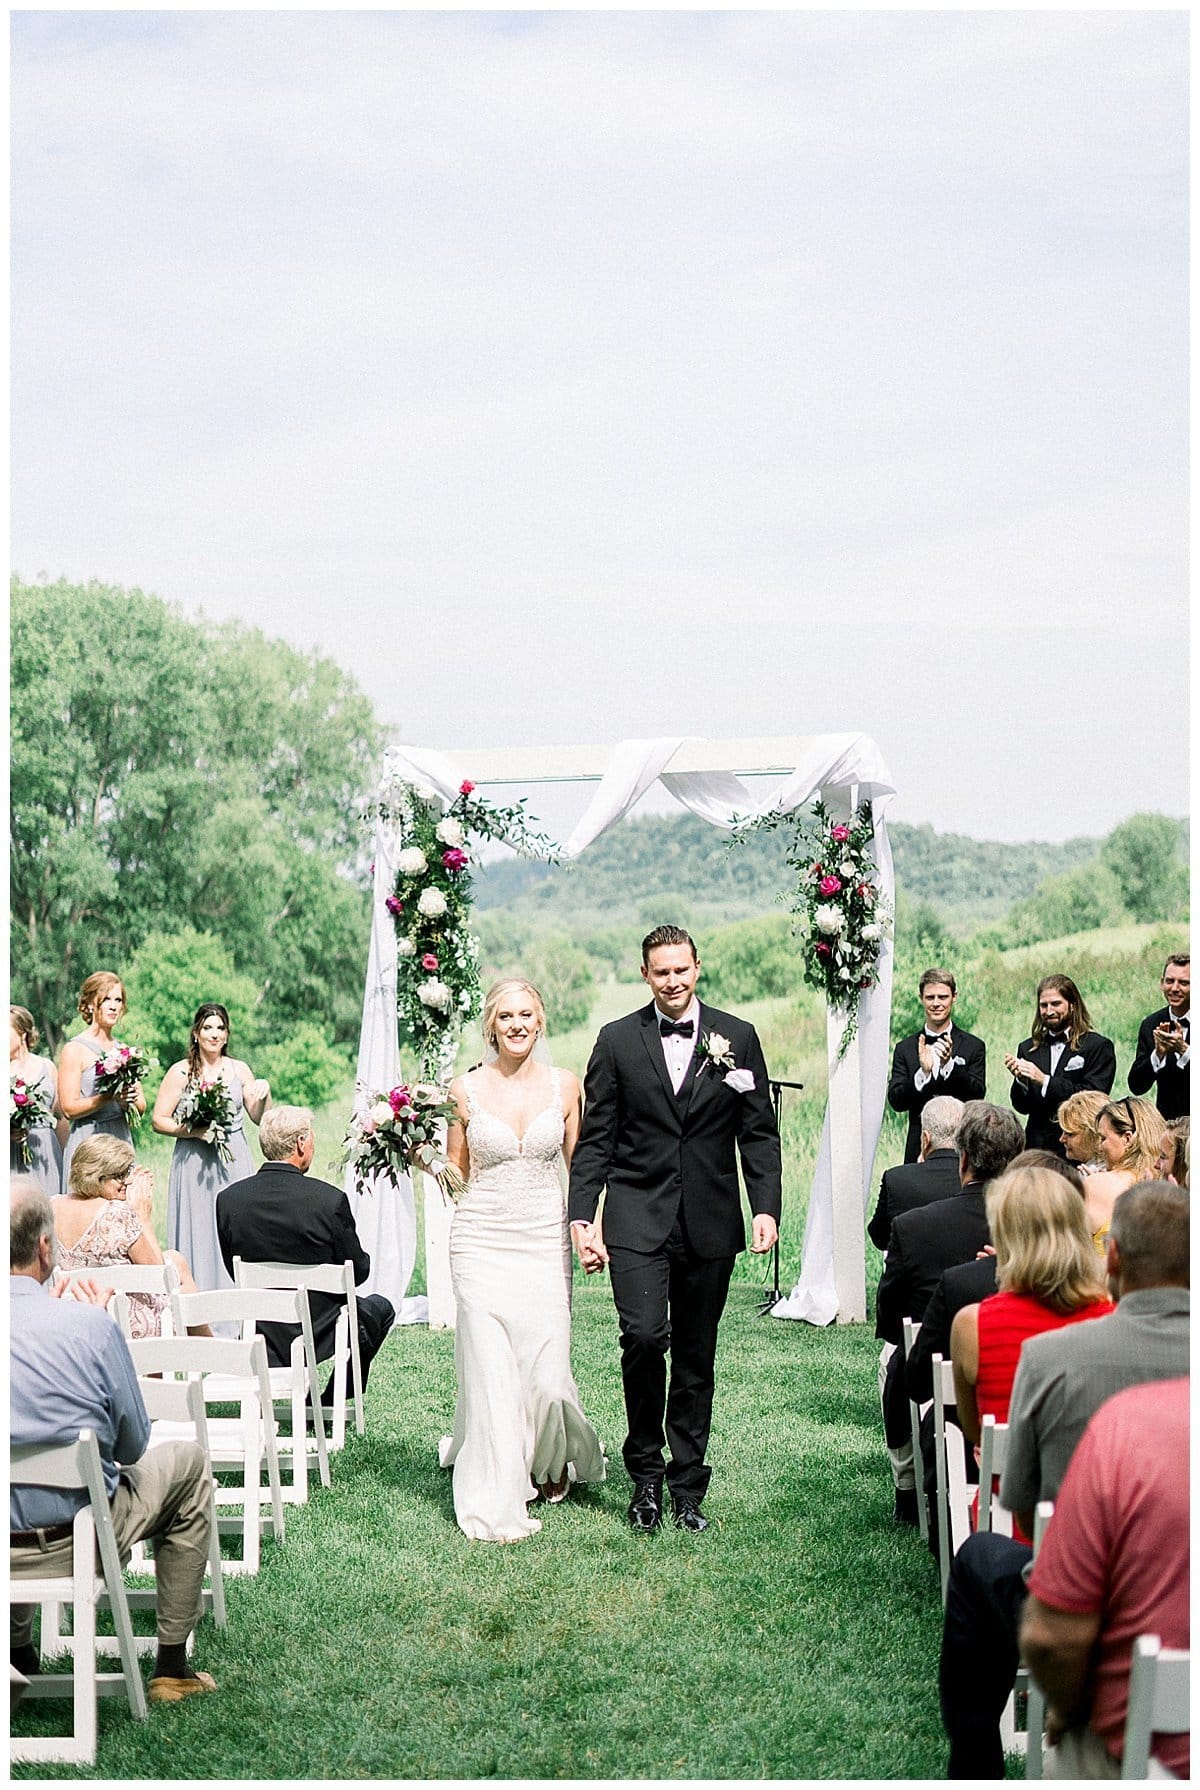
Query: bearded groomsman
(939, 1059)
(1164, 1046)
(1061, 1057)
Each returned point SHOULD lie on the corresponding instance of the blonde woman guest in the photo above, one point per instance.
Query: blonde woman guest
(1174, 1154)
(105, 1219)
(1048, 1275)
(198, 1171)
(101, 1003)
(1077, 1130)
(519, 1428)
(1130, 1133)
(41, 1141)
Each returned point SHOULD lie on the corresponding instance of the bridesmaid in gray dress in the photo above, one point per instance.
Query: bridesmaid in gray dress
(197, 1171)
(101, 1002)
(41, 1141)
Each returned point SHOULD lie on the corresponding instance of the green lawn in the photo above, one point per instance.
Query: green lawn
(797, 1639)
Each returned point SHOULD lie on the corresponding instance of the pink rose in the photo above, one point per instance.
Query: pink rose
(394, 906)
(840, 833)
(465, 787)
(20, 1099)
(429, 961)
(829, 885)
(824, 950)
(454, 860)
(398, 1097)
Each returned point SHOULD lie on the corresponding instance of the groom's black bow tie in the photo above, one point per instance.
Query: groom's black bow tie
(676, 1028)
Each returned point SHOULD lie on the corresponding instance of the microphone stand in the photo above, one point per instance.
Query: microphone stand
(771, 1299)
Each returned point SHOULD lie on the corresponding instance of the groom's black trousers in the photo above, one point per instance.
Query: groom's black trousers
(669, 1299)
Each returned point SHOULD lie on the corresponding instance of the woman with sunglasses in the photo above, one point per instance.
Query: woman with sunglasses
(105, 1220)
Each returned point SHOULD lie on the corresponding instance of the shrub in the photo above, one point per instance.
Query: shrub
(750, 960)
(304, 1069)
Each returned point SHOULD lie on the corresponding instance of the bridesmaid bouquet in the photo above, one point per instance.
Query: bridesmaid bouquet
(207, 1106)
(119, 1070)
(399, 1131)
(28, 1107)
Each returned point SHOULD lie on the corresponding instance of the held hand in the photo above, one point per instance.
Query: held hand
(764, 1233)
(589, 1247)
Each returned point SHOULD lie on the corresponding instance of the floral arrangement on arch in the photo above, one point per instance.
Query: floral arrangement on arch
(843, 916)
(437, 955)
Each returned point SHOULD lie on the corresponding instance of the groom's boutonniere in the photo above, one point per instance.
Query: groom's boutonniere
(714, 1049)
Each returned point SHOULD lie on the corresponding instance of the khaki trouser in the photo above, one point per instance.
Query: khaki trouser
(164, 1496)
(1080, 1753)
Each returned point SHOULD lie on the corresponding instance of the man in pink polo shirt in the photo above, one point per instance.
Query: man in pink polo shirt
(1113, 1566)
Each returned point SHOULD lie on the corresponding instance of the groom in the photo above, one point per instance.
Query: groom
(668, 1093)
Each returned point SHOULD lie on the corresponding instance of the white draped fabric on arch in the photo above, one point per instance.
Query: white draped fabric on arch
(843, 770)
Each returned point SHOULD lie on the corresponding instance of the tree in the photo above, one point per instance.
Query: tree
(750, 960)
(304, 1070)
(563, 977)
(169, 774)
(1143, 854)
(170, 975)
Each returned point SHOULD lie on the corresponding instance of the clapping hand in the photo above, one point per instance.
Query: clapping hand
(139, 1193)
(1168, 1038)
(83, 1291)
(1021, 1069)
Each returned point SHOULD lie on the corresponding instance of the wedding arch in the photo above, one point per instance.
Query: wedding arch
(842, 770)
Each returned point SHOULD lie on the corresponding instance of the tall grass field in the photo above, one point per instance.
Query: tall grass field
(797, 1639)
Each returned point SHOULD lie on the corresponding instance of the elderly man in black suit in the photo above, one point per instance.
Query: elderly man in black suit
(1163, 1060)
(927, 1241)
(939, 1059)
(674, 1094)
(934, 1176)
(282, 1215)
(1061, 1057)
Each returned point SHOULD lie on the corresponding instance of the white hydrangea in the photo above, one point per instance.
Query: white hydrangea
(450, 831)
(849, 870)
(381, 1113)
(431, 903)
(829, 919)
(424, 793)
(872, 930)
(434, 994)
(412, 861)
(404, 947)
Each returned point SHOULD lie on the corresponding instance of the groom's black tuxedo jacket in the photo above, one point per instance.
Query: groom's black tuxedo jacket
(967, 1081)
(1173, 1093)
(656, 1150)
(1095, 1063)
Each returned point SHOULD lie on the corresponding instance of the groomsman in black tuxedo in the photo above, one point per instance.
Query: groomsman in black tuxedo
(1061, 1057)
(939, 1059)
(674, 1094)
(1164, 1046)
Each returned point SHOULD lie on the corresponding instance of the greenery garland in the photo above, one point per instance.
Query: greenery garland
(843, 916)
(437, 954)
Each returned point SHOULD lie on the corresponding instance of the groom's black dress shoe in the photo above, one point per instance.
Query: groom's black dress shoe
(688, 1516)
(645, 1508)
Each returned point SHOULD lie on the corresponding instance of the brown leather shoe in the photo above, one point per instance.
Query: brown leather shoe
(174, 1690)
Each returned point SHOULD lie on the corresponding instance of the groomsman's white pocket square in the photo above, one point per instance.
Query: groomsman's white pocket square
(961, 1061)
(740, 1080)
(1075, 1063)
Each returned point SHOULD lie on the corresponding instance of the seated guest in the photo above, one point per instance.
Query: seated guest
(70, 1369)
(966, 1284)
(1047, 1275)
(1174, 1154)
(279, 1215)
(98, 1224)
(1061, 1056)
(934, 1176)
(1113, 1566)
(1131, 1133)
(1062, 1380)
(1164, 1053)
(924, 1242)
(939, 1059)
(1077, 1131)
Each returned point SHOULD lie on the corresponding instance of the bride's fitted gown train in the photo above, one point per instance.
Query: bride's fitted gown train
(518, 1415)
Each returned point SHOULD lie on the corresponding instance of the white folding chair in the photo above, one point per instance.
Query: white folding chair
(1158, 1703)
(76, 1466)
(132, 1277)
(230, 1372)
(296, 1385)
(953, 1487)
(322, 1277)
(1035, 1704)
(993, 1450)
(911, 1331)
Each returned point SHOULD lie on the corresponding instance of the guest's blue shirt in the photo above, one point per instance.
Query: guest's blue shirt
(70, 1369)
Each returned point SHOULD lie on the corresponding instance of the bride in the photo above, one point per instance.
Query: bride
(519, 1429)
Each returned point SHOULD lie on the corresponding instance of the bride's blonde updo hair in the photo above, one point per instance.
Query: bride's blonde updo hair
(493, 999)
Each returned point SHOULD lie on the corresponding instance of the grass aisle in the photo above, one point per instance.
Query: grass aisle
(797, 1639)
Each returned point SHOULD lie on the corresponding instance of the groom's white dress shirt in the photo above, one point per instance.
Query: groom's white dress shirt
(677, 1051)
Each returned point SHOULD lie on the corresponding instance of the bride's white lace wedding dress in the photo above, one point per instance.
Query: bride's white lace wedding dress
(518, 1416)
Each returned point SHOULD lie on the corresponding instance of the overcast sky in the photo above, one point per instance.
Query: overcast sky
(570, 376)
